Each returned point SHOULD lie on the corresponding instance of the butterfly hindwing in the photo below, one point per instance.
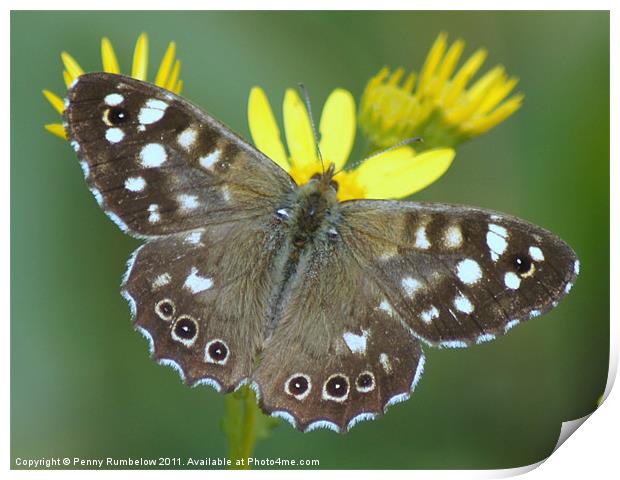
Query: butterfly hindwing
(158, 165)
(458, 275)
(201, 303)
(338, 354)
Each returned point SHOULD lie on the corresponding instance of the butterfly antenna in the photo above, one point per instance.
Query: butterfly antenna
(306, 95)
(407, 141)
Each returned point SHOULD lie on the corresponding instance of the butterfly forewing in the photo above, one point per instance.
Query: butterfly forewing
(458, 275)
(159, 165)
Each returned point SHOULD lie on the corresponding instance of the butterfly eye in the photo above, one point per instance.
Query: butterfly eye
(365, 382)
(165, 309)
(185, 330)
(336, 388)
(298, 385)
(523, 264)
(216, 351)
(116, 116)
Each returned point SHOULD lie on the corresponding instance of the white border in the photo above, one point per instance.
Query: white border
(592, 453)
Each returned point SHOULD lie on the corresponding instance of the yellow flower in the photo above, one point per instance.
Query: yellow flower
(167, 75)
(395, 173)
(440, 106)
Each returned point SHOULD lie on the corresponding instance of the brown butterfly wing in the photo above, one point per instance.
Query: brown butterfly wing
(158, 164)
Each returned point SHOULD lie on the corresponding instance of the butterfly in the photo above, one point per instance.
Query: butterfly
(322, 307)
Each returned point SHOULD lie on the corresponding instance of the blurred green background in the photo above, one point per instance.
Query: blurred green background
(81, 380)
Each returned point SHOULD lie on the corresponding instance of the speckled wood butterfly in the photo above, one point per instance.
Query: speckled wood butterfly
(322, 306)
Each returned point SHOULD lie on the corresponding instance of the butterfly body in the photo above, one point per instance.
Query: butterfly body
(247, 278)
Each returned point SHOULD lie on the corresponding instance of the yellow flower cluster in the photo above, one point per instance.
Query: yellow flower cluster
(437, 105)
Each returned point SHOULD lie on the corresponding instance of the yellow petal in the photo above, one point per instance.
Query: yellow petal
(71, 66)
(501, 113)
(337, 127)
(497, 94)
(67, 78)
(299, 136)
(174, 76)
(463, 76)
(448, 64)
(55, 100)
(400, 172)
(56, 129)
(432, 60)
(108, 57)
(264, 129)
(166, 65)
(140, 58)
(179, 87)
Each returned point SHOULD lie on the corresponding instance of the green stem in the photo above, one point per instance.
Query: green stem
(240, 425)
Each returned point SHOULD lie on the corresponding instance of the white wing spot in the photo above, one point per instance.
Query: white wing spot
(135, 184)
(194, 237)
(427, 316)
(187, 138)
(453, 238)
(85, 168)
(161, 280)
(209, 160)
(114, 135)
(75, 145)
(153, 155)
(568, 287)
(421, 241)
(496, 240)
(188, 202)
(410, 285)
(356, 343)
(463, 304)
(536, 254)
(512, 280)
(113, 99)
(154, 213)
(534, 313)
(152, 111)
(576, 267)
(196, 283)
(468, 271)
(384, 360)
(386, 307)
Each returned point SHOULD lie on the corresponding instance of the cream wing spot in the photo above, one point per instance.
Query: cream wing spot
(152, 111)
(187, 138)
(135, 184)
(453, 237)
(536, 254)
(114, 135)
(153, 155)
(427, 316)
(161, 280)
(113, 99)
(463, 304)
(188, 202)
(411, 285)
(512, 280)
(496, 241)
(356, 343)
(154, 216)
(421, 240)
(386, 307)
(209, 160)
(384, 360)
(468, 271)
(196, 283)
